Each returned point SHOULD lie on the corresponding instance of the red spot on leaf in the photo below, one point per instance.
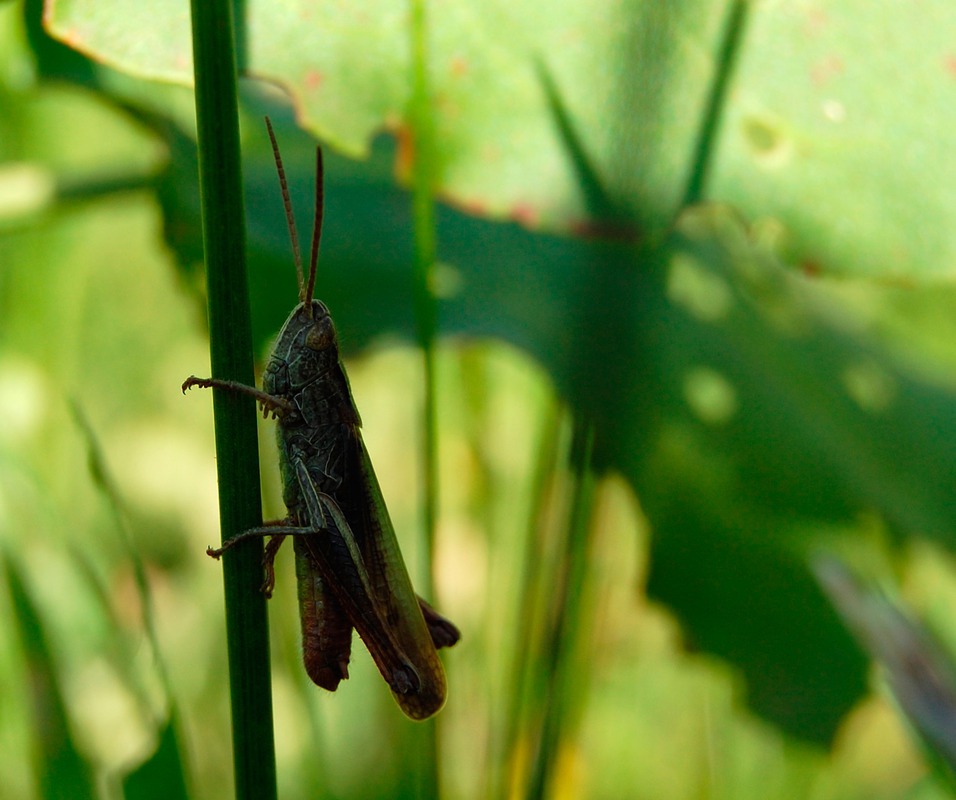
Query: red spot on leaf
(405, 154)
(72, 38)
(826, 69)
(313, 80)
(525, 214)
(816, 21)
(949, 63)
(811, 268)
(459, 66)
(475, 207)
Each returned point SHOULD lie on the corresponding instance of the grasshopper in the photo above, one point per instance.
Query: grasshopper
(349, 568)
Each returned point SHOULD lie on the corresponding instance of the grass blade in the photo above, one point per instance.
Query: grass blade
(62, 771)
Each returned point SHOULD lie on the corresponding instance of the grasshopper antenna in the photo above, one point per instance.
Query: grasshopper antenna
(289, 218)
(316, 227)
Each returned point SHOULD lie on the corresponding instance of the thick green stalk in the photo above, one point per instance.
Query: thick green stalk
(230, 333)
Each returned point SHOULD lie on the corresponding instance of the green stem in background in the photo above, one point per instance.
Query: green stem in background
(706, 139)
(564, 684)
(230, 333)
(423, 211)
(520, 703)
(103, 480)
(423, 178)
(59, 768)
(167, 765)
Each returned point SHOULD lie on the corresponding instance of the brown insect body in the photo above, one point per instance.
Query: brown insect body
(323, 461)
(348, 564)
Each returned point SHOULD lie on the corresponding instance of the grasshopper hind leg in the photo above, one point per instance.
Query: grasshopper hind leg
(326, 629)
(277, 531)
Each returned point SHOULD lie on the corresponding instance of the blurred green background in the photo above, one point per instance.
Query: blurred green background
(717, 232)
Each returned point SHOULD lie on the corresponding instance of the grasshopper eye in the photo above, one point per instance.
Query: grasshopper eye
(319, 337)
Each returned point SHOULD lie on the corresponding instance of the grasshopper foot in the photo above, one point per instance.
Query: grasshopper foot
(192, 380)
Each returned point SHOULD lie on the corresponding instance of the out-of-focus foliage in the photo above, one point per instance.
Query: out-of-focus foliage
(918, 670)
(758, 411)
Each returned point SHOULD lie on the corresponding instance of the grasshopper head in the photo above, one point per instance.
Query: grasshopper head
(305, 361)
(305, 368)
(305, 350)
(319, 331)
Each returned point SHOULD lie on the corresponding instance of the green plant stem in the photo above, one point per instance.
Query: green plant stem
(230, 334)
(520, 703)
(563, 683)
(423, 174)
(423, 181)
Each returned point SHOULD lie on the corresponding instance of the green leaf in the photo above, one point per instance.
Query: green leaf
(635, 75)
(838, 136)
(746, 415)
(62, 770)
(737, 399)
(147, 42)
(818, 138)
(733, 397)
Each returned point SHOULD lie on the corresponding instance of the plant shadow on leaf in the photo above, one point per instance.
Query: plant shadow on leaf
(720, 386)
(724, 389)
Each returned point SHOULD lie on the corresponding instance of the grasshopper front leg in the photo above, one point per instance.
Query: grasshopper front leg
(270, 403)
